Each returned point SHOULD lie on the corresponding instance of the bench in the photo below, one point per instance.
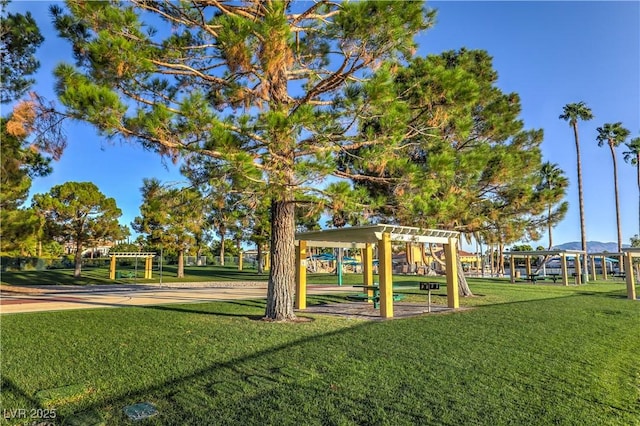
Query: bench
(622, 275)
(125, 274)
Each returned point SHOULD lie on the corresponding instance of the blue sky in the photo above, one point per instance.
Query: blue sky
(550, 53)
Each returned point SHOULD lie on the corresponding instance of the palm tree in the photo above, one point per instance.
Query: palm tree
(633, 157)
(552, 187)
(614, 134)
(572, 113)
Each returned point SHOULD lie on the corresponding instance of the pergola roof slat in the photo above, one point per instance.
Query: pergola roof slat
(373, 234)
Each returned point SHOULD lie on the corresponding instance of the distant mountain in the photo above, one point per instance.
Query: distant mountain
(592, 246)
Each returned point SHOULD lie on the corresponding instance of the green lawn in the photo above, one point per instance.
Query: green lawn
(100, 275)
(526, 355)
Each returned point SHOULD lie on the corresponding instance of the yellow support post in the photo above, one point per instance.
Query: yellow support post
(148, 265)
(301, 275)
(267, 261)
(631, 286)
(528, 265)
(604, 267)
(593, 268)
(450, 252)
(112, 268)
(240, 261)
(386, 278)
(367, 268)
(563, 265)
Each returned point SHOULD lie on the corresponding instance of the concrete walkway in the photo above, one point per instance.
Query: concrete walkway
(58, 298)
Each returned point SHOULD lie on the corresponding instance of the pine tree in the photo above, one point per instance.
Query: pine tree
(272, 89)
(78, 213)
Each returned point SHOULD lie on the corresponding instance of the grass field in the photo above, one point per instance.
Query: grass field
(527, 354)
(100, 275)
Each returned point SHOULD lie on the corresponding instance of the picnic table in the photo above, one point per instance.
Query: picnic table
(554, 276)
(535, 277)
(375, 297)
(622, 275)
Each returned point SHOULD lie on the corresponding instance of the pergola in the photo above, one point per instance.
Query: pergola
(577, 254)
(604, 256)
(363, 237)
(148, 262)
(629, 254)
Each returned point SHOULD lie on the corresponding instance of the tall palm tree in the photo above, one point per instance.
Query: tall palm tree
(633, 157)
(552, 188)
(613, 135)
(572, 113)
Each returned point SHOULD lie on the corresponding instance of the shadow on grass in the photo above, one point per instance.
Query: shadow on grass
(170, 388)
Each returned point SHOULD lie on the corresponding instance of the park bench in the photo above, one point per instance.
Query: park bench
(129, 274)
(622, 275)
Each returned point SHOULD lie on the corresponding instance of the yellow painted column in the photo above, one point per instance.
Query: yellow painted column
(301, 275)
(367, 268)
(604, 267)
(451, 264)
(593, 268)
(386, 278)
(112, 268)
(577, 267)
(631, 285)
(479, 263)
(267, 260)
(563, 265)
(512, 266)
(148, 268)
(240, 261)
(528, 266)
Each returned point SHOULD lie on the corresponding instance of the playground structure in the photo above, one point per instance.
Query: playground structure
(148, 262)
(363, 238)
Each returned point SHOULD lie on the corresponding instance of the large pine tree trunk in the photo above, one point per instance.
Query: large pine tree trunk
(223, 231)
(282, 276)
(259, 260)
(180, 264)
(78, 261)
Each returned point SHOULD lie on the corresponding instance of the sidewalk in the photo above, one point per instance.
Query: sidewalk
(58, 298)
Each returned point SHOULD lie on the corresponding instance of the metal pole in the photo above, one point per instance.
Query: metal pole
(160, 266)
